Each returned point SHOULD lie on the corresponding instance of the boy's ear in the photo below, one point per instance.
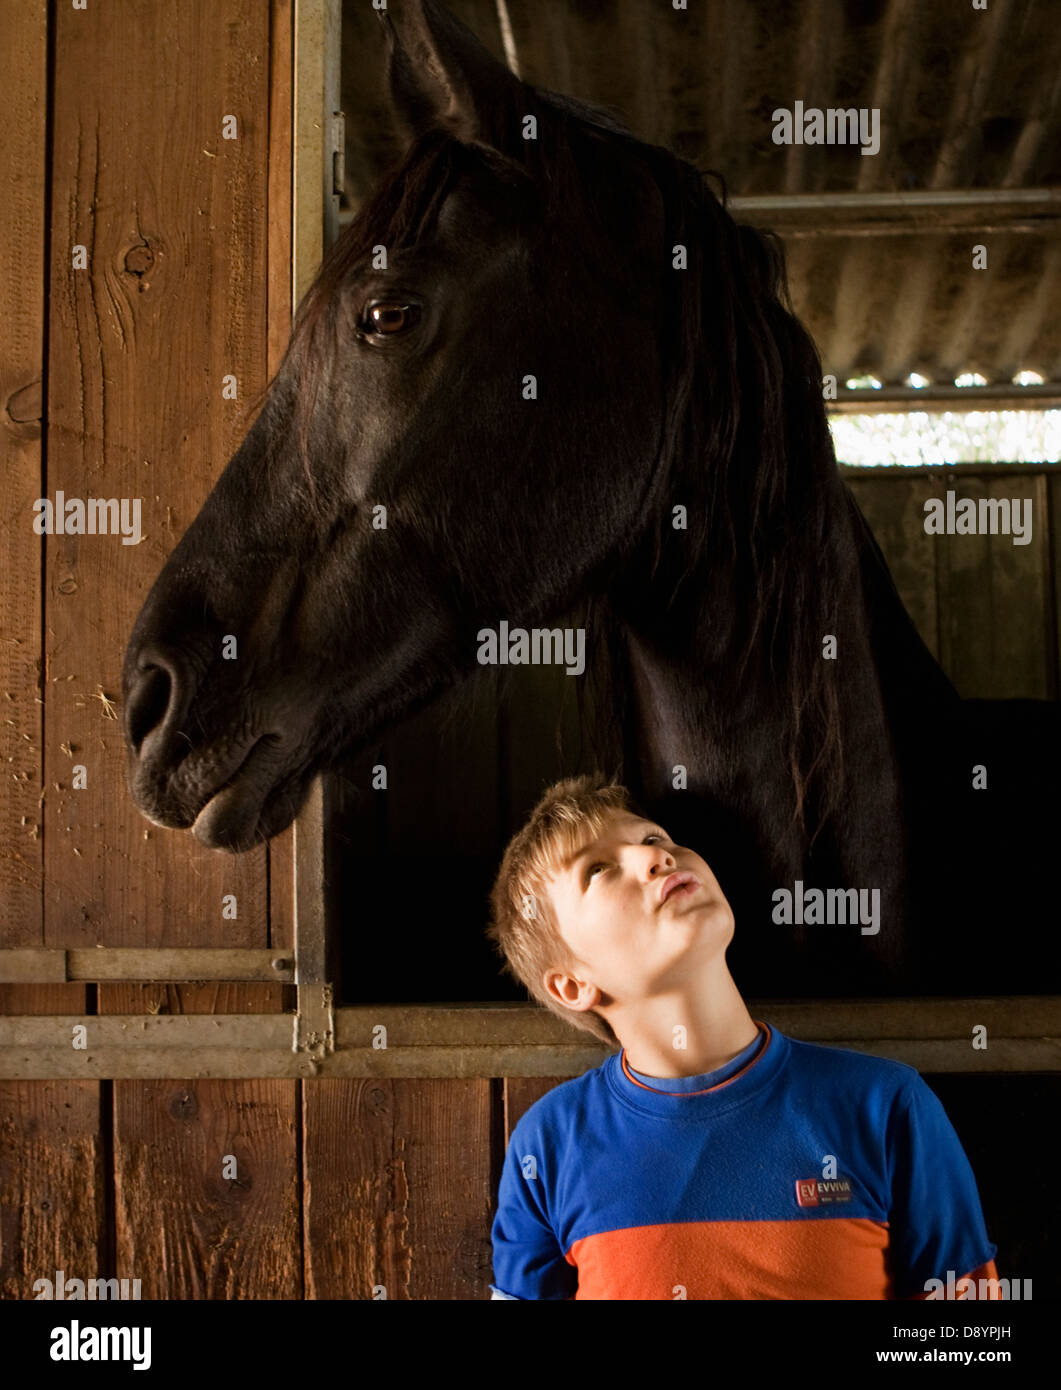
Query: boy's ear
(439, 74)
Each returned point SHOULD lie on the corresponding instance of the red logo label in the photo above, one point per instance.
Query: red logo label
(815, 1192)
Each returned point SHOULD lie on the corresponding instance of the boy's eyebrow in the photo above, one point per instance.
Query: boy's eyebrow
(572, 859)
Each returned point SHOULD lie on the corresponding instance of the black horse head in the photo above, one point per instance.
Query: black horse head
(489, 396)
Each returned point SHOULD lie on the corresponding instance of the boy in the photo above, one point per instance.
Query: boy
(712, 1157)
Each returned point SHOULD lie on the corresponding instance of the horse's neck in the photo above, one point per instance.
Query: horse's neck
(693, 720)
(694, 731)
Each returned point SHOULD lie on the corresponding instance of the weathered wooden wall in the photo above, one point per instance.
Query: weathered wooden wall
(987, 609)
(49, 1133)
(111, 380)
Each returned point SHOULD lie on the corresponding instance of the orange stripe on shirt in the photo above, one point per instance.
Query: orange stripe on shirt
(842, 1257)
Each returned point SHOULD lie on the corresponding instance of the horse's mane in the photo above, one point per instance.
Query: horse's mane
(746, 445)
(745, 440)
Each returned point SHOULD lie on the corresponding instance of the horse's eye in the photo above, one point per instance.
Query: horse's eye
(387, 319)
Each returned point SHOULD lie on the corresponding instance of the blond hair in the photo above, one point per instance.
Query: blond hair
(523, 925)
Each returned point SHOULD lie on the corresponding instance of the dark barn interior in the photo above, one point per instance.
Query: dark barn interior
(379, 1169)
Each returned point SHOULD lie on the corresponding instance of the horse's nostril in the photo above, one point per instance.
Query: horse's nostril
(148, 703)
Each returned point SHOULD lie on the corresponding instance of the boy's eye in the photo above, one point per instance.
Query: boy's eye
(652, 835)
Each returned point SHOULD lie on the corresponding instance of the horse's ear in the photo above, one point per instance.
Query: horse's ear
(441, 75)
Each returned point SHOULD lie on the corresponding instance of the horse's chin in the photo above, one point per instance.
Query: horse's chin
(248, 812)
(229, 820)
(255, 797)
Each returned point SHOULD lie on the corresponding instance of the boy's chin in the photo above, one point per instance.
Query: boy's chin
(713, 916)
(702, 938)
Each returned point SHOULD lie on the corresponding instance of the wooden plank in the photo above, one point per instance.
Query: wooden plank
(210, 997)
(281, 848)
(218, 52)
(815, 1020)
(895, 511)
(880, 213)
(383, 1029)
(309, 79)
(281, 115)
(213, 1060)
(521, 1092)
(170, 885)
(154, 1032)
(315, 1031)
(176, 275)
(39, 964)
(51, 1174)
(41, 999)
(183, 964)
(51, 1184)
(1021, 587)
(22, 309)
(1021, 599)
(398, 1189)
(51, 1161)
(206, 1200)
(994, 599)
(32, 965)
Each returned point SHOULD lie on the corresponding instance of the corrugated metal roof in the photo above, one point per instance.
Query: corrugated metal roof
(968, 100)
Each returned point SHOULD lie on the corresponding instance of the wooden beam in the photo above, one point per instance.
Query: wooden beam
(1002, 396)
(1022, 1034)
(317, 49)
(794, 215)
(156, 965)
(315, 1028)
(1017, 1056)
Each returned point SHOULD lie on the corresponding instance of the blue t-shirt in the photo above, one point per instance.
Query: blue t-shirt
(795, 1171)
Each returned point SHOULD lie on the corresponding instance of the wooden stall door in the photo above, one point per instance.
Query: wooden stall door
(146, 267)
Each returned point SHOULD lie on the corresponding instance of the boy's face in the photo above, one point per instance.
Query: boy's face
(640, 914)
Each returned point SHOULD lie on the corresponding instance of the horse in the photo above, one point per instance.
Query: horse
(545, 370)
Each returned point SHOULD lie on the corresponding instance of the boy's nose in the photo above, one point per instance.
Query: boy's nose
(662, 861)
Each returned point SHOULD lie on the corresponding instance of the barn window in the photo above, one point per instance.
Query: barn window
(917, 438)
